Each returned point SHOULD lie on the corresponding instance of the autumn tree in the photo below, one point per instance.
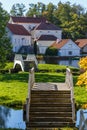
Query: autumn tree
(82, 79)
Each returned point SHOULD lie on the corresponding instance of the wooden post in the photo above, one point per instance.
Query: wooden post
(69, 82)
(30, 85)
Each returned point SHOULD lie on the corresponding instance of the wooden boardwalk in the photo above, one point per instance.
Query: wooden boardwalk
(50, 105)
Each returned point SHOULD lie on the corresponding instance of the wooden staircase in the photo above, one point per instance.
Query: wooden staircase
(49, 107)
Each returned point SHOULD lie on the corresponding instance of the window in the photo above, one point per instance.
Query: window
(70, 45)
(70, 52)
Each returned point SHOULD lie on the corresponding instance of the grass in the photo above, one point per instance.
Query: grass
(54, 67)
(13, 88)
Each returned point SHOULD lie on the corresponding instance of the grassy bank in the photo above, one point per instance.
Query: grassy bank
(13, 87)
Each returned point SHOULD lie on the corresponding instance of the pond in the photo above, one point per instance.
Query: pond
(10, 118)
(67, 62)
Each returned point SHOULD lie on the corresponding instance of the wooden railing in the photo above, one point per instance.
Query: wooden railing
(69, 82)
(30, 85)
(83, 121)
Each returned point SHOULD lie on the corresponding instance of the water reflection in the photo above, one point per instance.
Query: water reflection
(68, 62)
(10, 118)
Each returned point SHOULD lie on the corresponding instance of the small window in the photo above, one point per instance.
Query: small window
(70, 52)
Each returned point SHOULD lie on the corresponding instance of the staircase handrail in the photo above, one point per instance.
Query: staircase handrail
(82, 121)
(69, 82)
(30, 85)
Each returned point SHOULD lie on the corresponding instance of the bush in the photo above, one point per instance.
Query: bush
(51, 51)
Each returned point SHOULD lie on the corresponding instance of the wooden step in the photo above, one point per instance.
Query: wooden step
(51, 114)
(50, 100)
(50, 124)
(50, 92)
(50, 119)
(50, 104)
(50, 109)
(50, 96)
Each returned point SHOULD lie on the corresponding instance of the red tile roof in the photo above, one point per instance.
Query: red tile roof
(46, 26)
(81, 42)
(28, 19)
(17, 29)
(47, 38)
(60, 43)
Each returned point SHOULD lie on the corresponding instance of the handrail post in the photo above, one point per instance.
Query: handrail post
(69, 82)
(30, 85)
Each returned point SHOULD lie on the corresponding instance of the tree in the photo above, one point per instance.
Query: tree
(18, 10)
(5, 45)
(35, 9)
(51, 51)
(82, 79)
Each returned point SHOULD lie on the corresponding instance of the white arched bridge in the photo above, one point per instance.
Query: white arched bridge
(25, 64)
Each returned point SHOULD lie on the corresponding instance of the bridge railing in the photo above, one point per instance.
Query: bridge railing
(69, 82)
(30, 85)
(32, 57)
(83, 121)
(19, 60)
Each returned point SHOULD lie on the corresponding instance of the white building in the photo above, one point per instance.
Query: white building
(24, 31)
(19, 36)
(66, 47)
(44, 41)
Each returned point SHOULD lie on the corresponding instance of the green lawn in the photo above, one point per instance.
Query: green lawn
(13, 87)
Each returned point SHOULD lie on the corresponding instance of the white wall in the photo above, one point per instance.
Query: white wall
(69, 47)
(84, 49)
(43, 45)
(38, 33)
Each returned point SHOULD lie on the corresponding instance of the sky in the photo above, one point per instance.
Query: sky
(7, 4)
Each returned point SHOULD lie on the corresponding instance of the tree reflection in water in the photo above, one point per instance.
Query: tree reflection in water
(4, 113)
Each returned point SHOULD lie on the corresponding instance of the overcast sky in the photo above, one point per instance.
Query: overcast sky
(7, 4)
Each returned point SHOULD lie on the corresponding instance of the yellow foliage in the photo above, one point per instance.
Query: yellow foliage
(83, 63)
(84, 106)
(82, 79)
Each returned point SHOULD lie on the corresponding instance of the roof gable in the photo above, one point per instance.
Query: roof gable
(27, 19)
(17, 29)
(81, 42)
(60, 43)
(47, 38)
(46, 26)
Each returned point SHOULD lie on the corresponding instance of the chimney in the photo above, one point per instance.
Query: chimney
(58, 40)
(34, 16)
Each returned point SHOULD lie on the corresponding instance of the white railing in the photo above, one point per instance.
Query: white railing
(32, 57)
(19, 60)
(69, 82)
(30, 85)
(83, 121)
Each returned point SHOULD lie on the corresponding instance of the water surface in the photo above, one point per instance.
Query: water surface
(10, 118)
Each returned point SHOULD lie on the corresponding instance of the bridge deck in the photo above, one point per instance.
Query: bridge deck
(50, 86)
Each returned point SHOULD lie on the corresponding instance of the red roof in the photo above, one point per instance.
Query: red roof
(60, 43)
(81, 42)
(28, 19)
(47, 37)
(18, 29)
(46, 26)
